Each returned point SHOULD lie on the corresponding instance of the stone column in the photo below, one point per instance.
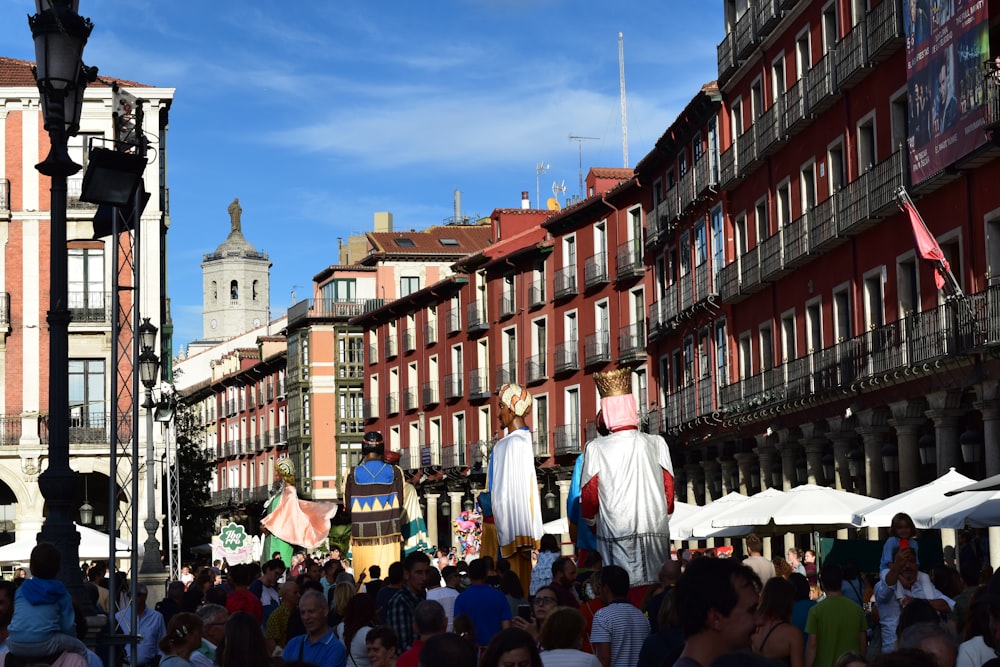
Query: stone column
(432, 517)
(907, 418)
(694, 479)
(815, 443)
(945, 410)
(711, 469)
(989, 405)
(747, 462)
(729, 472)
(765, 455)
(567, 542)
(789, 455)
(872, 426)
(844, 437)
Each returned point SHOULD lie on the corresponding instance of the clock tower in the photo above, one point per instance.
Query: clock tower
(236, 284)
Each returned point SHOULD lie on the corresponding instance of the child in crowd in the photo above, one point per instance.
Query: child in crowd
(44, 623)
(902, 535)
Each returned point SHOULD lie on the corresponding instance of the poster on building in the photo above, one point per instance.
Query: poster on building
(947, 42)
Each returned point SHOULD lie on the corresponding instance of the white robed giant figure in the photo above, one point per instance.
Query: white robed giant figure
(627, 485)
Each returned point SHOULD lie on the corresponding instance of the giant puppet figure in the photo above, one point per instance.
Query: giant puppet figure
(373, 494)
(513, 485)
(293, 521)
(627, 485)
(414, 527)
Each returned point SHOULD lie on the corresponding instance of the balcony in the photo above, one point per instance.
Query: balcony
(370, 408)
(746, 34)
(704, 286)
(706, 174)
(430, 394)
(476, 319)
(658, 324)
(567, 356)
(729, 282)
(768, 15)
(540, 444)
(632, 343)
(884, 28)
(453, 386)
(88, 428)
(726, 53)
(568, 439)
(685, 189)
(852, 60)
(535, 367)
(392, 403)
(770, 257)
(507, 306)
(409, 458)
(750, 271)
(506, 374)
(630, 260)
(431, 333)
(536, 295)
(728, 174)
(331, 308)
(454, 456)
(565, 282)
(821, 86)
(595, 270)
(823, 225)
(654, 228)
(410, 400)
(685, 291)
(430, 455)
(479, 385)
(769, 130)
(795, 243)
(391, 347)
(794, 108)
(453, 320)
(746, 151)
(409, 341)
(91, 307)
(597, 349)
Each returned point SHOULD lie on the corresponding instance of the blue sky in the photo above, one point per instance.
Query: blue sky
(318, 114)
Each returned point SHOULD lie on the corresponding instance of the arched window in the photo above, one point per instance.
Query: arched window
(254, 291)
(234, 290)
(215, 291)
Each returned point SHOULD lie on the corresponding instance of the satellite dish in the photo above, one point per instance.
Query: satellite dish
(553, 204)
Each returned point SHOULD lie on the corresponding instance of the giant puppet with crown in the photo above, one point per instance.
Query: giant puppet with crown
(627, 485)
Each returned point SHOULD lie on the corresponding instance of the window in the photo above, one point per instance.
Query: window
(803, 54)
(783, 202)
(721, 354)
(700, 243)
(866, 143)
(907, 286)
(757, 97)
(814, 326)
(900, 118)
(807, 186)
(718, 247)
(449, 242)
(408, 285)
(86, 392)
(736, 113)
(339, 289)
(766, 347)
(835, 165)
(684, 257)
(788, 347)
(777, 77)
(600, 238)
(253, 290)
(404, 242)
(874, 295)
(86, 281)
(831, 31)
(760, 217)
(842, 320)
(234, 290)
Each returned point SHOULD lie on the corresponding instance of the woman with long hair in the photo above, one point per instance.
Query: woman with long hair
(548, 552)
(776, 637)
(342, 594)
(511, 647)
(243, 644)
(359, 618)
(545, 600)
(182, 638)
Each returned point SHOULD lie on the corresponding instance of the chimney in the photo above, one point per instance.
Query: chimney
(525, 201)
(458, 206)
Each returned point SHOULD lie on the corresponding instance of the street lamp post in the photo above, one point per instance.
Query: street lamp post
(60, 34)
(149, 366)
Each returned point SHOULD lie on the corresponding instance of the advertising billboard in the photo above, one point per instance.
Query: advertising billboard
(947, 42)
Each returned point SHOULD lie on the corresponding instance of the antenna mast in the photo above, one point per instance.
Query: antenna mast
(540, 169)
(579, 142)
(621, 80)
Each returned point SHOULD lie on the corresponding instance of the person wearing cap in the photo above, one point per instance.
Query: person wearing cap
(373, 494)
(513, 485)
(627, 486)
(149, 626)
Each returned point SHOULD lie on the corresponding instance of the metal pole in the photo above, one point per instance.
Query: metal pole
(151, 563)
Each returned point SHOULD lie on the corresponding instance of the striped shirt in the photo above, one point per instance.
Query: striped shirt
(624, 627)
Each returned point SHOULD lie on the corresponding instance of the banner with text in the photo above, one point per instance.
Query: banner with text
(947, 42)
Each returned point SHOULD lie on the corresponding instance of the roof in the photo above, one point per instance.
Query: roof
(530, 239)
(697, 111)
(15, 72)
(611, 172)
(423, 297)
(447, 241)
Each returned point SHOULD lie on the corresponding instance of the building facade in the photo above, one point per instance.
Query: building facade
(24, 208)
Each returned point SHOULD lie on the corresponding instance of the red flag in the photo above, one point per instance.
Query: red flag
(927, 245)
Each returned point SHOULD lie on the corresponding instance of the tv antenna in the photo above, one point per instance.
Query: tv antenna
(294, 287)
(553, 203)
(579, 142)
(540, 169)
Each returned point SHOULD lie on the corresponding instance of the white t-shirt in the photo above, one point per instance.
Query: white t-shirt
(446, 596)
(357, 656)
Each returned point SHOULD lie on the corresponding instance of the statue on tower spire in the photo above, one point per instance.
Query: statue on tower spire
(235, 211)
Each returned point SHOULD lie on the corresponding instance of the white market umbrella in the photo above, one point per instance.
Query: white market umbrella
(93, 545)
(988, 484)
(880, 513)
(976, 509)
(698, 525)
(806, 507)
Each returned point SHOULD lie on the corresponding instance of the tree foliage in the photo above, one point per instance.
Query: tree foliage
(197, 520)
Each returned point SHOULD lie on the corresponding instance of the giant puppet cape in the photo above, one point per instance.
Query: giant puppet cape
(295, 521)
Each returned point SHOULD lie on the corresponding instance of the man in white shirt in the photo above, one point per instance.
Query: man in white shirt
(901, 584)
(151, 629)
(446, 594)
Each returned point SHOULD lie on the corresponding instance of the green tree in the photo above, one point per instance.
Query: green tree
(197, 520)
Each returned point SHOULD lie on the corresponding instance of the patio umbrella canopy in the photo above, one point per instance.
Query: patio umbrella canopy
(975, 509)
(698, 524)
(93, 545)
(880, 513)
(808, 507)
(988, 484)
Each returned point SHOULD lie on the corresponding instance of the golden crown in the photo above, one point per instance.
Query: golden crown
(614, 383)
